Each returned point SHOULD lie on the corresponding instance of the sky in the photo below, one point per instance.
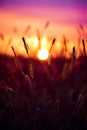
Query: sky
(60, 13)
(64, 17)
(81, 3)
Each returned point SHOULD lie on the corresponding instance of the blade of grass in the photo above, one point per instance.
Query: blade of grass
(83, 43)
(25, 46)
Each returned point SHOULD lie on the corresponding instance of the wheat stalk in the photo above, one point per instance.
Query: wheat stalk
(46, 25)
(73, 55)
(13, 51)
(27, 78)
(83, 43)
(19, 67)
(65, 71)
(69, 66)
(16, 60)
(39, 39)
(27, 29)
(64, 42)
(17, 63)
(31, 71)
(52, 44)
(50, 56)
(49, 59)
(25, 46)
(30, 65)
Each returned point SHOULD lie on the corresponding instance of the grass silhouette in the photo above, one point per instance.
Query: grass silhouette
(37, 95)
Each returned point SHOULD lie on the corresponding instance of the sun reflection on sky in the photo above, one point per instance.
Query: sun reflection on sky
(24, 18)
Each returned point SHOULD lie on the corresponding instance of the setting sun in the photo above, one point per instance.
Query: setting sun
(43, 54)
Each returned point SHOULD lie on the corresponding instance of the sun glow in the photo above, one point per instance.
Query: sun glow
(43, 54)
(40, 49)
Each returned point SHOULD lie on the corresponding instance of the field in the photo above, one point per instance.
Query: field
(49, 101)
(43, 95)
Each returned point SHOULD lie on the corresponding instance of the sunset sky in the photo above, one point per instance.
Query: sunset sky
(64, 16)
(57, 12)
(44, 2)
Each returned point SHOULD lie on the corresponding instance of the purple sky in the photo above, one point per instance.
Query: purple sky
(76, 3)
(60, 12)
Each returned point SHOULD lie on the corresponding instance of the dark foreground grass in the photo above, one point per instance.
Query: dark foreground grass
(56, 100)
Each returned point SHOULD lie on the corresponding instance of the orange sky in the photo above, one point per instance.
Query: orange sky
(62, 21)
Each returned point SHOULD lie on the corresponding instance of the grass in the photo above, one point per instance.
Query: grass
(30, 99)
(50, 103)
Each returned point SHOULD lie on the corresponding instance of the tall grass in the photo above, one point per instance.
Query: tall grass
(30, 65)
(18, 65)
(84, 49)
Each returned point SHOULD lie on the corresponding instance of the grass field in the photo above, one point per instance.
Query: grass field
(44, 94)
(54, 98)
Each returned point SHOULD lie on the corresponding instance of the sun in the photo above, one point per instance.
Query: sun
(43, 54)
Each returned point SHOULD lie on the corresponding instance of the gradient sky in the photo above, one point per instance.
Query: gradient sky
(81, 3)
(64, 17)
(58, 12)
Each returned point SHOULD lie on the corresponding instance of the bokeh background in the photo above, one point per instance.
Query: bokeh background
(64, 17)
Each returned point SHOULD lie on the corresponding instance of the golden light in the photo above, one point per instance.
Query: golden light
(33, 42)
(44, 42)
(58, 46)
(43, 54)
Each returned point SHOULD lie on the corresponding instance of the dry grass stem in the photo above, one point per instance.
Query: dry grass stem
(31, 71)
(83, 43)
(49, 59)
(52, 44)
(27, 29)
(64, 42)
(25, 46)
(27, 78)
(13, 50)
(46, 25)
